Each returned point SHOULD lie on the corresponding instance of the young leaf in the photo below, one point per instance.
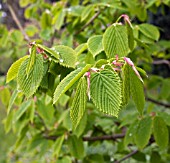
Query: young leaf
(130, 36)
(68, 81)
(67, 55)
(95, 44)
(29, 83)
(136, 90)
(12, 100)
(31, 59)
(51, 53)
(22, 109)
(60, 19)
(130, 134)
(81, 48)
(76, 147)
(143, 132)
(86, 12)
(58, 145)
(79, 103)
(105, 89)
(126, 84)
(160, 132)
(150, 31)
(13, 70)
(115, 41)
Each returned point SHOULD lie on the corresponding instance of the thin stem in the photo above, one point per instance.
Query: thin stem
(127, 156)
(14, 16)
(167, 105)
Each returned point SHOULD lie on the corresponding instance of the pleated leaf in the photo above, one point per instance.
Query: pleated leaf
(105, 89)
(79, 103)
(130, 36)
(29, 83)
(50, 53)
(68, 81)
(13, 70)
(160, 132)
(95, 45)
(115, 41)
(67, 55)
(31, 59)
(126, 84)
(136, 90)
(143, 132)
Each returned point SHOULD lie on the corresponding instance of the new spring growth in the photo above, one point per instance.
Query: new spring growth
(130, 63)
(117, 64)
(88, 84)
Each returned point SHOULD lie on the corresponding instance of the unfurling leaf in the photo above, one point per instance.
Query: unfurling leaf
(136, 90)
(105, 89)
(29, 83)
(31, 59)
(79, 103)
(126, 84)
(68, 81)
(115, 41)
(13, 70)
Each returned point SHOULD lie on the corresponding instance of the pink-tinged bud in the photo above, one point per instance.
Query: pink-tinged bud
(88, 84)
(117, 57)
(116, 69)
(129, 62)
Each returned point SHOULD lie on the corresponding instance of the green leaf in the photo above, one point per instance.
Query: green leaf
(13, 70)
(86, 12)
(160, 132)
(29, 83)
(164, 94)
(76, 147)
(130, 36)
(67, 55)
(12, 100)
(136, 90)
(126, 84)
(105, 89)
(51, 53)
(57, 146)
(79, 103)
(60, 19)
(165, 116)
(5, 96)
(150, 31)
(22, 109)
(31, 59)
(95, 44)
(130, 134)
(143, 132)
(81, 48)
(68, 81)
(115, 41)
(81, 126)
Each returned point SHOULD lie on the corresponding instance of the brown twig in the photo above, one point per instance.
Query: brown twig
(127, 156)
(14, 16)
(89, 22)
(104, 137)
(167, 105)
(95, 138)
